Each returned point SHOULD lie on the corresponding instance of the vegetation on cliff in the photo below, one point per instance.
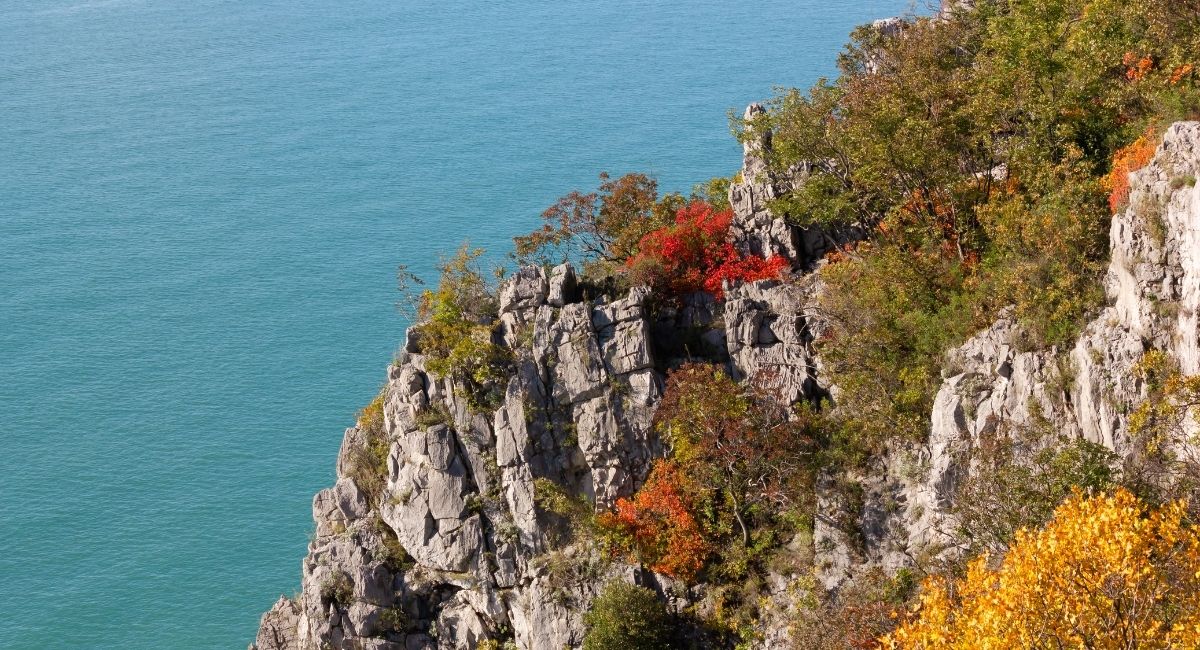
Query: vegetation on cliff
(981, 154)
(456, 329)
(986, 149)
(1105, 572)
(625, 234)
(737, 462)
(626, 616)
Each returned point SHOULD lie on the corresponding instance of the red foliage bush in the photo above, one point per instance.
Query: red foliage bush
(694, 254)
(657, 525)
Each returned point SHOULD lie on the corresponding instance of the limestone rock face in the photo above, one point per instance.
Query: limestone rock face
(756, 229)
(991, 387)
(520, 297)
(279, 626)
(1153, 290)
(769, 330)
(457, 550)
(563, 285)
(1153, 287)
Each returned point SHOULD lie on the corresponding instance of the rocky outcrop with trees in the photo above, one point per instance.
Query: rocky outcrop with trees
(936, 317)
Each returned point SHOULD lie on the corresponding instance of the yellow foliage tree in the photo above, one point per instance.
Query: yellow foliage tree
(1106, 572)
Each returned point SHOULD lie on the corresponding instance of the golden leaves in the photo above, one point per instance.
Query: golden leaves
(1106, 572)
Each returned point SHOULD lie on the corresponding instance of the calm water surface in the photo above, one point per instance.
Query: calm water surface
(202, 206)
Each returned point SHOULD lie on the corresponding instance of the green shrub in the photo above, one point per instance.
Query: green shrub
(551, 497)
(390, 552)
(714, 192)
(1187, 180)
(894, 311)
(434, 415)
(337, 588)
(1016, 485)
(394, 619)
(624, 617)
(456, 331)
(1048, 246)
(575, 513)
(367, 461)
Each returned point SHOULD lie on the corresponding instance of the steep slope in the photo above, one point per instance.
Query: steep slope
(461, 546)
(994, 387)
(480, 559)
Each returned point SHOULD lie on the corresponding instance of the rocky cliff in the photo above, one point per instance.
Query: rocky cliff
(460, 547)
(1089, 391)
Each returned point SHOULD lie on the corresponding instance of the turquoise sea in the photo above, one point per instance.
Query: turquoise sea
(202, 207)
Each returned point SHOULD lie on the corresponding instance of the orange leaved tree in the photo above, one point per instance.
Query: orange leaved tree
(1126, 161)
(737, 440)
(1106, 572)
(657, 524)
(736, 459)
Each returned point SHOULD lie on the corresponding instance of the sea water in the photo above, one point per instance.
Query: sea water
(202, 207)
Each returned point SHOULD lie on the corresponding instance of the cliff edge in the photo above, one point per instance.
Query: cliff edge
(459, 546)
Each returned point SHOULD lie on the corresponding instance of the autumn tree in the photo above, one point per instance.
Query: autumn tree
(658, 525)
(737, 459)
(891, 138)
(1106, 572)
(602, 227)
(694, 254)
(734, 438)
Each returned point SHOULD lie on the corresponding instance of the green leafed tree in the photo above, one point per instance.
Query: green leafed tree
(624, 617)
